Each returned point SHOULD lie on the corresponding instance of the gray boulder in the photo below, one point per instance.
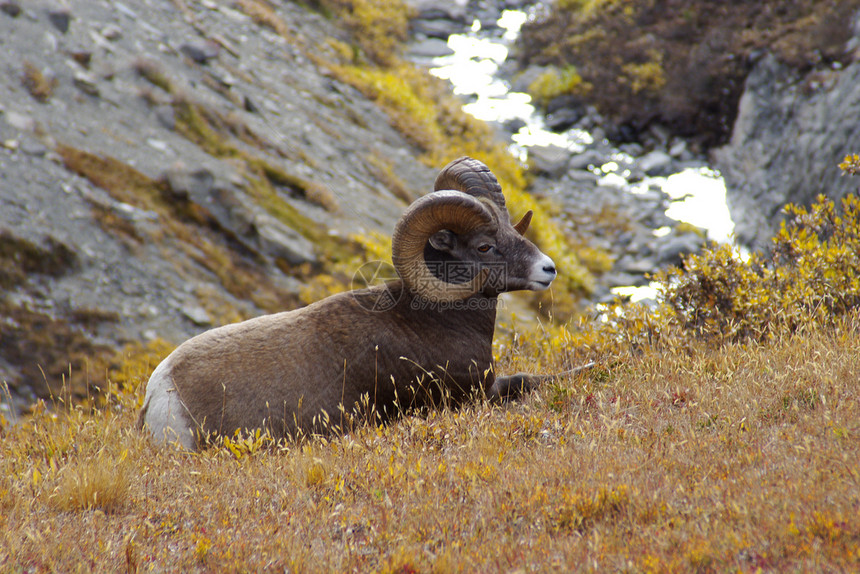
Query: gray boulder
(789, 137)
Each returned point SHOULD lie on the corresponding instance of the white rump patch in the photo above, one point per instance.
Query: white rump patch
(166, 416)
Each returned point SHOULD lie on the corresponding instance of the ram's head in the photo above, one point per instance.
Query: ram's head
(459, 240)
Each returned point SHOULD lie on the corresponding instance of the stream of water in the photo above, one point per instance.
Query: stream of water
(698, 194)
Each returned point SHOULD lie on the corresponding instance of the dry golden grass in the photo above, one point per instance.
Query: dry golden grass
(695, 458)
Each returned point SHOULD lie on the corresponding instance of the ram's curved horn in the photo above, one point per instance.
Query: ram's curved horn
(449, 209)
(472, 177)
(523, 225)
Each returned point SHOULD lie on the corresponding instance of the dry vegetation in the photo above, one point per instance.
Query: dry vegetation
(687, 447)
(699, 459)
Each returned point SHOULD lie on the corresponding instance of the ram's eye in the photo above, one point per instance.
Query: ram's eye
(484, 248)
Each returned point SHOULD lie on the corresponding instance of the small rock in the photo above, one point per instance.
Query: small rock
(435, 10)
(550, 160)
(632, 149)
(157, 144)
(562, 119)
(11, 145)
(112, 32)
(33, 148)
(587, 158)
(197, 314)
(282, 242)
(621, 279)
(430, 48)
(200, 51)
(678, 149)
(86, 82)
(21, 122)
(186, 185)
(582, 176)
(10, 8)
(564, 112)
(637, 266)
(82, 57)
(656, 163)
(514, 125)
(435, 28)
(226, 79)
(60, 18)
(166, 116)
(249, 105)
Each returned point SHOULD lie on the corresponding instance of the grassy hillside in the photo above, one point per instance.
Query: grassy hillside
(718, 432)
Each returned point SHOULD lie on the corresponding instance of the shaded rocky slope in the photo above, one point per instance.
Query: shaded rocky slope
(768, 89)
(680, 64)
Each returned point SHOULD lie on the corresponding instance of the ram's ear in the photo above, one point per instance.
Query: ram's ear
(523, 225)
(444, 240)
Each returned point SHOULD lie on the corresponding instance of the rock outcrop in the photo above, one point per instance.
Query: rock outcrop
(790, 135)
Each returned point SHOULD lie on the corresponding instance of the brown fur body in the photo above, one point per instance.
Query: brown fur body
(283, 371)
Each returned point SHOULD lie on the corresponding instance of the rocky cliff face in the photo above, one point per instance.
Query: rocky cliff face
(167, 166)
(791, 133)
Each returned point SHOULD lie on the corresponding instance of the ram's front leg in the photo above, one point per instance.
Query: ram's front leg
(512, 387)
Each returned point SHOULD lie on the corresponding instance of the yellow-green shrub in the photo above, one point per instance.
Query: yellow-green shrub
(556, 82)
(379, 27)
(812, 274)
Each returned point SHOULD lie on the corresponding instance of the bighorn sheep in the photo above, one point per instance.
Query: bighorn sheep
(408, 342)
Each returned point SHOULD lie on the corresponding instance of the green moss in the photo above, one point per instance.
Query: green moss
(196, 124)
(646, 76)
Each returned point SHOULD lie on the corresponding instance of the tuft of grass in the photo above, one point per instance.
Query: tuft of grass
(40, 86)
(263, 14)
(383, 170)
(100, 484)
(153, 73)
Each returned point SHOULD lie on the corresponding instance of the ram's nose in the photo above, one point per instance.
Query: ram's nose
(543, 273)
